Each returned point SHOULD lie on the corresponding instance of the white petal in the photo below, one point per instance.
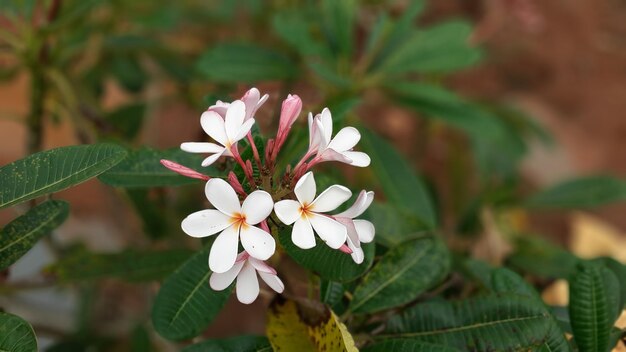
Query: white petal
(261, 266)
(251, 99)
(220, 281)
(352, 237)
(302, 234)
(212, 158)
(321, 137)
(224, 250)
(222, 196)
(243, 130)
(234, 118)
(258, 243)
(205, 223)
(213, 124)
(305, 188)
(359, 159)
(357, 255)
(220, 107)
(333, 155)
(201, 147)
(288, 211)
(345, 139)
(329, 230)
(327, 123)
(365, 229)
(273, 281)
(331, 198)
(257, 207)
(312, 131)
(247, 285)
(361, 204)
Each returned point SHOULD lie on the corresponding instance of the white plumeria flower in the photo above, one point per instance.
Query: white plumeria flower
(358, 230)
(338, 148)
(306, 211)
(245, 270)
(234, 221)
(226, 131)
(252, 99)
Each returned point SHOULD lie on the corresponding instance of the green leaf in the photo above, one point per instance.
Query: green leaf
(402, 274)
(328, 263)
(441, 48)
(619, 270)
(535, 255)
(293, 27)
(394, 225)
(55, 170)
(503, 322)
(407, 345)
(580, 193)
(338, 25)
(16, 335)
(244, 343)
(236, 63)
(185, 304)
(397, 178)
(332, 293)
(21, 234)
(504, 280)
(594, 306)
(128, 72)
(130, 265)
(142, 168)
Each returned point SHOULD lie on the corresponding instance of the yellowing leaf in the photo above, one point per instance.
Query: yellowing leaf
(306, 326)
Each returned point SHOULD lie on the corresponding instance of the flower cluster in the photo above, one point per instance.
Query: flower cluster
(240, 215)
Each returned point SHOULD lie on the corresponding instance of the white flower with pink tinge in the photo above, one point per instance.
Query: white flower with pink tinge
(358, 230)
(338, 148)
(235, 221)
(252, 99)
(306, 213)
(245, 270)
(226, 130)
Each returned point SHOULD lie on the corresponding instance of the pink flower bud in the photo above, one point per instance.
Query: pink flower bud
(344, 248)
(183, 170)
(264, 226)
(288, 114)
(235, 184)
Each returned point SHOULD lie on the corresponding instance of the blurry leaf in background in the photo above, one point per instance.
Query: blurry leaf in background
(580, 193)
(130, 265)
(332, 294)
(407, 345)
(400, 184)
(142, 169)
(306, 326)
(338, 25)
(242, 343)
(153, 210)
(537, 256)
(140, 340)
(394, 225)
(16, 335)
(328, 263)
(54, 170)
(185, 304)
(502, 322)
(127, 120)
(237, 63)
(293, 27)
(504, 280)
(441, 48)
(401, 275)
(21, 234)
(128, 72)
(594, 306)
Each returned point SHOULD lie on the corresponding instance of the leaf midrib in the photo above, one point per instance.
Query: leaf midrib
(191, 294)
(29, 234)
(391, 278)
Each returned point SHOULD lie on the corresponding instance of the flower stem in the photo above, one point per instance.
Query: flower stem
(255, 151)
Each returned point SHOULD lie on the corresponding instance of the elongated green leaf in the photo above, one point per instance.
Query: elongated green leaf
(402, 274)
(580, 193)
(16, 335)
(394, 225)
(397, 178)
(330, 264)
(142, 168)
(504, 280)
(21, 234)
(127, 120)
(619, 270)
(594, 306)
(539, 257)
(338, 19)
(442, 48)
(234, 63)
(331, 292)
(55, 170)
(130, 265)
(407, 345)
(244, 343)
(504, 322)
(185, 304)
